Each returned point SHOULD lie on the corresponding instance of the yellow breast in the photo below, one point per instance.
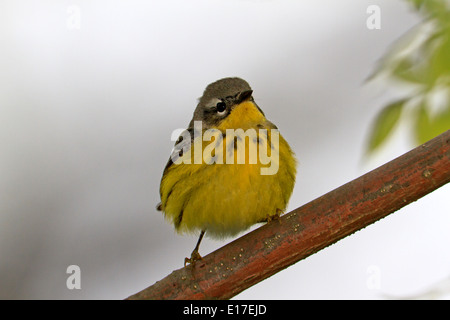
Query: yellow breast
(228, 196)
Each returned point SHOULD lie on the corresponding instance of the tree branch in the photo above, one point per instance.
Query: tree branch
(269, 249)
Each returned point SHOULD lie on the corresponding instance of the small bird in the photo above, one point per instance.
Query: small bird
(229, 170)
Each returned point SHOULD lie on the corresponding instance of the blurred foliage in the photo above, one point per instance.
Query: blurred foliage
(419, 61)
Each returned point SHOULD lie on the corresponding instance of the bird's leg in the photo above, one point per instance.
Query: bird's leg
(270, 218)
(195, 255)
(277, 216)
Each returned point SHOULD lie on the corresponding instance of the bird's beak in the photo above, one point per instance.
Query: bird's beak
(244, 96)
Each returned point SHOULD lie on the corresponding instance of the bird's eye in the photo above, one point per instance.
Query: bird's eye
(221, 108)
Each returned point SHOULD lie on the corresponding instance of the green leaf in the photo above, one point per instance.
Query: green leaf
(441, 122)
(406, 70)
(440, 58)
(423, 125)
(426, 128)
(384, 123)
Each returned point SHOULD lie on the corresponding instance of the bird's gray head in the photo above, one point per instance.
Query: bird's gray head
(219, 99)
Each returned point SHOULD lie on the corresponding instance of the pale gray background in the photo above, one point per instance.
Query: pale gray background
(87, 107)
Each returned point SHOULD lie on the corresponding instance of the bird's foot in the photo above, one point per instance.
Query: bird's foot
(195, 256)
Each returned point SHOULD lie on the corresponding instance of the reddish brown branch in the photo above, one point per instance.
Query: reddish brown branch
(304, 231)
